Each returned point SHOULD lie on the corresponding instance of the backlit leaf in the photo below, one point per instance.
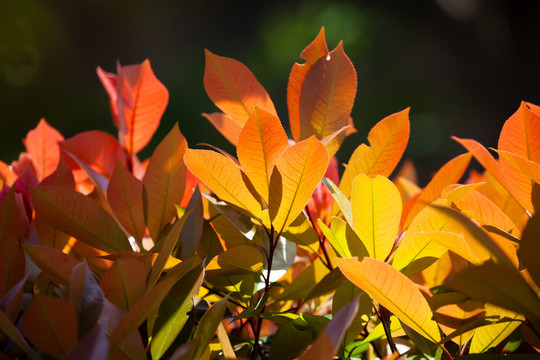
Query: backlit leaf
(51, 325)
(313, 52)
(527, 167)
(296, 175)
(327, 95)
(344, 295)
(42, 145)
(226, 125)
(80, 217)
(125, 196)
(344, 239)
(376, 206)
(236, 261)
(341, 199)
(53, 262)
(142, 99)
(387, 142)
(233, 88)
(261, 143)
(449, 174)
(520, 135)
(224, 178)
(164, 181)
(499, 285)
(394, 291)
(123, 282)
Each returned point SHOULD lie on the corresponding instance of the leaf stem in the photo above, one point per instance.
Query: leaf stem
(384, 316)
(328, 263)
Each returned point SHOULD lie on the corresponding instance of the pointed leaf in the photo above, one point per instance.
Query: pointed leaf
(233, 88)
(449, 174)
(125, 196)
(376, 206)
(7, 327)
(108, 80)
(172, 313)
(530, 168)
(142, 99)
(224, 178)
(296, 175)
(261, 143)
(343, 239)
(226, 125)
(53, 262)
(51, 325)
(491, 335)
(236, 261)
(314, 51)
(192, 231)
(387, 142)
(327, 95)
(341, 200)
(12, 263)
(289, 341)
(529, 248)
(122, 284)
(80, 217)
(346, 294)
(164, 181)
(205, 330)
(394, 291)
(455, 243)
(499, 285)
(42, 145)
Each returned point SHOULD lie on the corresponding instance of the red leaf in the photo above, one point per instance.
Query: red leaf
(53, 262)
(42, 145)
(108, 80)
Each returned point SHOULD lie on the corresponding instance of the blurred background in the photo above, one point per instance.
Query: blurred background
(463, 66)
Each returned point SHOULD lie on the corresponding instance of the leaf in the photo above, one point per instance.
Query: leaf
(322, 349)
(224, 178)
(387, 142)
(520, 135)
(53, 262)
(313, 52)
(193, 228)
(205, 330)
(233, 88)
(455, 243)
(289, 341)
(125, 196)
(499, 285)
(7, 327)
(329, 283)
(97, 149)
(164, 181)
(122, 283)
(12, 263)
(340, 198)
(239, 260)
(529, 248)
(260, 145)
(108, 80)
(302, 285)
(226, 125)
(61, 176)
(80, 217)
(51, 325)
(42, 145)
(327, 95)
(394, 291)
(94, 346)
(530, 168)
(449, 174)
(376, 207)
(491, 335)
(284, 255)
(296, 175)
(172, 313)
(343, 239)
(346, 294)
(13, 218)
(142, 99)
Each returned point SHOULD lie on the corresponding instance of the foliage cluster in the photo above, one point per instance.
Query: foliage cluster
(270, 254)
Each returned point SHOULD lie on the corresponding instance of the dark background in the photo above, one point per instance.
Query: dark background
(463, 66)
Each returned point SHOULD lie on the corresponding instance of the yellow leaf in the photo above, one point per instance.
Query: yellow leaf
(455, 243)
(224, 178)
(376, 206)
(343, 239)
(297, 173)
(394, 291)
(261, 142)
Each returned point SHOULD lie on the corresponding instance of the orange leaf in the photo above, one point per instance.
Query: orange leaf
(96, 148)
(165, 181)
(449, 174)
(226, 125)
(125, 196)
(313, 52)
(530, 168)
(233, 88)
(142, 99)
(224, 178)
(42, 145)
(388, 140)
(123, 283)
(520, 135)
(297, 173)
(108, 80)
(394, 291)
(53, 262)
(376, 206)
(261, 142)
(79, 216)
(51, 325)
(327, 95)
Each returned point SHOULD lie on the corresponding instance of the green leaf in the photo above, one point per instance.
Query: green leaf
(79, 216)
(340, 198)
(205, 330)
